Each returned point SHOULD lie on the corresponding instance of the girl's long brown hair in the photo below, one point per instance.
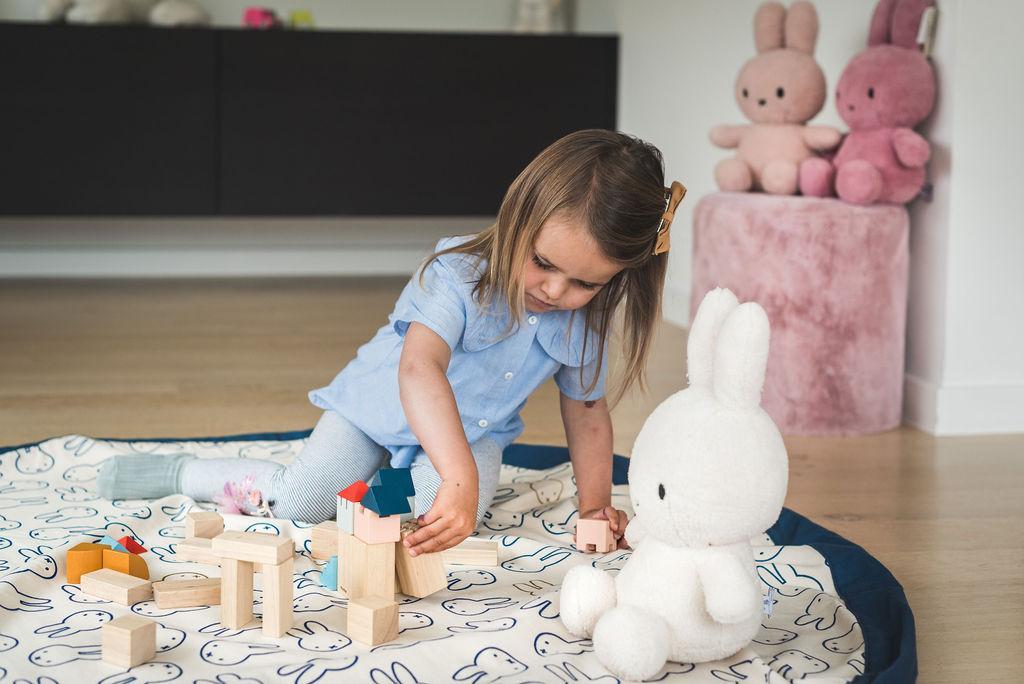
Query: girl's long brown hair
(612, 183)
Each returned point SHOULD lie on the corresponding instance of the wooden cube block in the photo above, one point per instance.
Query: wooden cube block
(479, 552)
(116, 586)
(421, 575)
(235, 593)
(373, 529)
(596, 534)
(278, 594)
(253, 547)
(369, 569)
(128, 563)
(324, 538)
(205, 524)
(372, 620)
(83, 558)
(128, 641)
(187, 593)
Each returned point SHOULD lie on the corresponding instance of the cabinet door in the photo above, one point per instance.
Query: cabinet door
(376, 123)
(107, 120)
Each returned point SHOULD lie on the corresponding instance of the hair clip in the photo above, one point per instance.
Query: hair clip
(673, 196)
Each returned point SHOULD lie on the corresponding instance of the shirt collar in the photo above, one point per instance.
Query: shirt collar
(560, 333)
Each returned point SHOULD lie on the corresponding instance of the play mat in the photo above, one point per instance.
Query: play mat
(836, 614)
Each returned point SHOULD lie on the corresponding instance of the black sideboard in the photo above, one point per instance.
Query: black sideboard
(151, 121)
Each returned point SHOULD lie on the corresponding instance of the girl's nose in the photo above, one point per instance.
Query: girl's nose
(553, 289)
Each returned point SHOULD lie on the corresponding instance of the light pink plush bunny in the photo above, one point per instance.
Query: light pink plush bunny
(779, 89)
(883, 93)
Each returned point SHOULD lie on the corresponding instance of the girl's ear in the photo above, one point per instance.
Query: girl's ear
(881, 22)
(700, 343)
(802, 27)
(741, 357)
(768, 22)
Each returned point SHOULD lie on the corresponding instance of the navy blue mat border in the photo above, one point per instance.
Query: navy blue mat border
(865, 585)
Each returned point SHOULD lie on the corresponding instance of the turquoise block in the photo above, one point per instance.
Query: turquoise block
(112, 543)
(329, 575)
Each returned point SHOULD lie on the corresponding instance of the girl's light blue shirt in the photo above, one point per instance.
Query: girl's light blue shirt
(492, 371)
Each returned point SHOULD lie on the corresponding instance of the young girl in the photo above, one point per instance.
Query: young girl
(582, 232)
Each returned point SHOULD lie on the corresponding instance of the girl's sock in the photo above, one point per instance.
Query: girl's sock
(146, 476)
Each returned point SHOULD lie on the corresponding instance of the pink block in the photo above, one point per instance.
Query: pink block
(373, 529)
(833, 279)
(596, 533)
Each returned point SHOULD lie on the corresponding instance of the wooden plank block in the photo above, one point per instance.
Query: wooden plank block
(482, 553)
(128, 563)
(596, 534)
(278, 594)
(116, 586)
(235, 593)
(187, 593)
(197, 550)
(421, 575)
(324, 540)
(369, 569)
(83, 558)
(128, 641)
(253, 547)
(205, 524)
(372, 620)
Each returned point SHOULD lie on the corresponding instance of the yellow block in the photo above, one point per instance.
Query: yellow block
(128, 563)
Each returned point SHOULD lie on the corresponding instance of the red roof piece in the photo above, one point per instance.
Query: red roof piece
(132, 545)
(355, 491)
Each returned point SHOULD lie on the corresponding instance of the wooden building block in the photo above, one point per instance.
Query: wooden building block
(129, 544)
(373, 529)
(329, 574)
(235, 593)
(595, 533)
(197, 550)
(128, 641)
(372, 620)
(278, 594)
(421, 575)
(369, 569)
(187, 593)
(344, 567)
(344, 518)
(482, 553)
(116, 586)
(126, 562)
(324, 540)
(205, 524)
(83, 558)
(253, 547)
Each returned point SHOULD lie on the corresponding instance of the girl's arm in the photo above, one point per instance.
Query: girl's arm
(588, 430)
(433, 415)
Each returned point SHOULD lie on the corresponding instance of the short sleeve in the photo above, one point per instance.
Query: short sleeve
(568, 380)
(438, 304)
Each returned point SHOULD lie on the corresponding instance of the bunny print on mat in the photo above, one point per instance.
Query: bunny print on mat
(708, 472)
(883, 93)
(779, 90)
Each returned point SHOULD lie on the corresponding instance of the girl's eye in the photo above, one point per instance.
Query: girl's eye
(540, 264)
(587, 286)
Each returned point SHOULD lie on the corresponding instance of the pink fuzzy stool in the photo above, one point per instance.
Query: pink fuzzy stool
(833, 279)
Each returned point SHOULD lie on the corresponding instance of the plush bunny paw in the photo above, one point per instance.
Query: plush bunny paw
(587, 593)
(632, 643)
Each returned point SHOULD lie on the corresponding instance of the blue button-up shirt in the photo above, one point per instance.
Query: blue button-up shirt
(492, 370)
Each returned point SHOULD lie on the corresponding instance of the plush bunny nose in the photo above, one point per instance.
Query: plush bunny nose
(850, 107)
(762, 103)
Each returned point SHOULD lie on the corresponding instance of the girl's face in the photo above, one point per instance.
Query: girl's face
(566, 268)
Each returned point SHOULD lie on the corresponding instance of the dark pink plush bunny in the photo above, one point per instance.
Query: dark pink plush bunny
(883, 93)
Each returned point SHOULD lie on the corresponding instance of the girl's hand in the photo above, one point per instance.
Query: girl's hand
(617, 522)
(450, 519)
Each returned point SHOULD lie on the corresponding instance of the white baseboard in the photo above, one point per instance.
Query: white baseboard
(964, 409)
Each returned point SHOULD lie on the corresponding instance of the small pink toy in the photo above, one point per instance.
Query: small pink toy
(596, 534)
(883, 93)
(260, 18)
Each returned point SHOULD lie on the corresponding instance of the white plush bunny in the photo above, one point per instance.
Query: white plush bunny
(708, 472)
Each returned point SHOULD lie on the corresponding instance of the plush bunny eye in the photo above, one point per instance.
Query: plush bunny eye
(661, 491)
(871, 93)
(780, 93)
(745, 93)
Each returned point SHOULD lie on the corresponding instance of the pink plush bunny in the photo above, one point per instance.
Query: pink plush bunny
(779, 89)
(884, 91)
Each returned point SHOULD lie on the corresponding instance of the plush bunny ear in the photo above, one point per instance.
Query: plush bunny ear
(741, 356)
(897, 22)
(881, 20)
(801, 27)
(700, 344)
(768, 24)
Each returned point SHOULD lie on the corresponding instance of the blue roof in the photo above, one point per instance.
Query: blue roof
(395, 477)
(385, 501)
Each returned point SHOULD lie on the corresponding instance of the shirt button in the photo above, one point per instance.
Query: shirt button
(509, 375)
(532, 320)
(482, 423)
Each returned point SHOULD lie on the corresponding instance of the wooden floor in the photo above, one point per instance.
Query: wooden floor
(195, 358)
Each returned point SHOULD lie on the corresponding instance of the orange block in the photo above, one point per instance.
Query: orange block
(84, 558)
(128, 563)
